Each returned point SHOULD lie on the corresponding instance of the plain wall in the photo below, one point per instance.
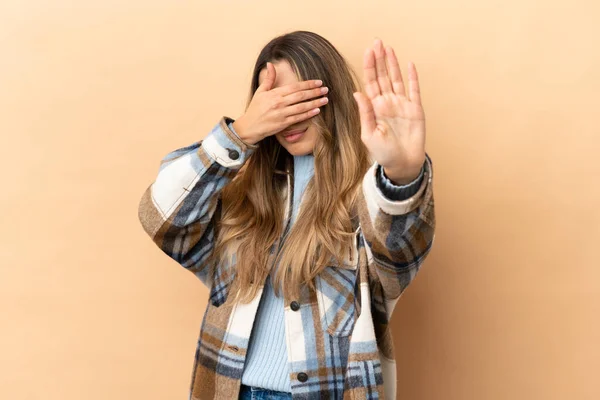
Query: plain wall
(94, 93)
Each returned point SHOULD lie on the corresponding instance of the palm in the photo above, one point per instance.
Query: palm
(392, 123)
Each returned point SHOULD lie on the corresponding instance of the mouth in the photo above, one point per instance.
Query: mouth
(294, 135)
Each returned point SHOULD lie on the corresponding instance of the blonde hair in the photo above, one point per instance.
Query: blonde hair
(252, 209)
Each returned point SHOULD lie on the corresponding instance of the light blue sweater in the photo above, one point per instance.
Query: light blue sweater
(266, 361)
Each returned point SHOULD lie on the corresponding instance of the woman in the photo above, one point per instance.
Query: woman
(307, 217)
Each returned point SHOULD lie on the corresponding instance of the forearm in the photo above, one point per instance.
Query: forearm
(398, 233)
(177, 210)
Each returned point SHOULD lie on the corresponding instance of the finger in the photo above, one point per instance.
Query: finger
(382, 74)
(370, 74)
(414, 91)
(294, 119)
(306, 106)
(367, 115)
(298, 86)
(304, 95)
(269, 80)
(395, 73)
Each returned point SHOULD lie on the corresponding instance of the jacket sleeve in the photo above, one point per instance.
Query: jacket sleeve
(180, 208)
(398, 234)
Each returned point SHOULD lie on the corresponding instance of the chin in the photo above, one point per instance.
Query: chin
(300, 152)
(297, 149)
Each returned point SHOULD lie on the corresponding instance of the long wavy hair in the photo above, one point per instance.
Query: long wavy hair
(252, 214)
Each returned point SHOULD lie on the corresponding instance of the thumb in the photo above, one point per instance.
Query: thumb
(367, 115)
(269, 80)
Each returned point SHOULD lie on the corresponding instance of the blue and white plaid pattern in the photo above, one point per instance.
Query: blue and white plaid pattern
(338, 340)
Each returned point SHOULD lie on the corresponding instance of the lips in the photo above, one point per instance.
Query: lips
(294, 132)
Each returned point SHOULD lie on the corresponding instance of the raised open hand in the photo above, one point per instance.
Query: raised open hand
(392, 121)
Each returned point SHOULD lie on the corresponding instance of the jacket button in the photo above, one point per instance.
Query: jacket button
(233, 154)
(302, 377)
(294, 305)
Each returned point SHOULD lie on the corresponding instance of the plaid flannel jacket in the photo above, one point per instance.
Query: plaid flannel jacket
(339, 343)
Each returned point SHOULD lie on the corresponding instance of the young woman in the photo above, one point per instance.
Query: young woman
(307, 217)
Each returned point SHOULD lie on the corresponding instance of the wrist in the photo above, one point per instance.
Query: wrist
(401, 177)
(241, 129)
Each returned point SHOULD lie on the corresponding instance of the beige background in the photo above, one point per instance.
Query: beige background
(94, 93)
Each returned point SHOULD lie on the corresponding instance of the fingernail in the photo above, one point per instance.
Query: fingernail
(324, 90)
(319, 82)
